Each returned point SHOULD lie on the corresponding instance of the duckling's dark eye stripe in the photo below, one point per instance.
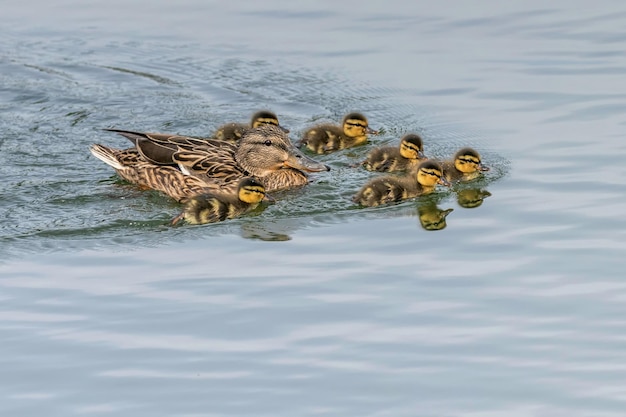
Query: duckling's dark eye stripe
(469, 161)
(358, 124)
(411, 146)
(433, 173)
(258, 190)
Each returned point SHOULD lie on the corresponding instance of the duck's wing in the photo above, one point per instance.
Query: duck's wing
(159, 148)
(212, 161)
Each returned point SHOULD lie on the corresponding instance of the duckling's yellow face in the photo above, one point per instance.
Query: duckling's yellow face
(251, 191)
(411, 148)
(355, 126)
(430, 174)
(469, 162)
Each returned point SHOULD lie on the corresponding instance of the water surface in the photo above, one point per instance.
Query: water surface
(312, 305)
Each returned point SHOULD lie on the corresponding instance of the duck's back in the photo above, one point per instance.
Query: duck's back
(387, 189)
(214, 160)
(211, 208)
(451, 173)
(386, 159)
(323, 138)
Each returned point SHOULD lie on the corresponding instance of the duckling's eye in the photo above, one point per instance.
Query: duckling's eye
(268, 142)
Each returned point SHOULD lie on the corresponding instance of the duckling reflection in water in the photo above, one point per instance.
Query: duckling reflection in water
(215, 207)
(232, 132)
(432, 217)
(390, 188)
(396, 158)
(326, 138)
(471, 197)
(465, 166)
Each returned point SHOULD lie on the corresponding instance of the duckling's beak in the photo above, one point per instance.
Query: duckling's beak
(371, 131)
(284, 129)
(421, 155)
(443, 181)
(482, 167)
(268, 198)
(298, 160)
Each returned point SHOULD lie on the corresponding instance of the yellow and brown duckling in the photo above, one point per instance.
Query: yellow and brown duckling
(465, 166)
(396, 158)
(215, 207)
(390, 188)
(181, 167)
(326, 138)
(232, 132)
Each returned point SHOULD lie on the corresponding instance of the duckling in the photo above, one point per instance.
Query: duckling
(432, 217)
(214, 207)
(197, 166)
(327, 138)
(232, 132)
(389, 188)
(390, 158)
(465, 166)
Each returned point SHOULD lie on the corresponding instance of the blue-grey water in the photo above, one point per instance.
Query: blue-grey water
(311, 305)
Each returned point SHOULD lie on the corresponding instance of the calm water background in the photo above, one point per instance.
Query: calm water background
(313, 306)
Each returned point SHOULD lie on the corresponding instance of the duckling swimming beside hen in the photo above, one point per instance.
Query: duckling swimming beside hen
(326, 138)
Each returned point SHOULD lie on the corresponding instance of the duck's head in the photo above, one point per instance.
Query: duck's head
(467, 160)
(430, 173)
(411, 147)
(267, 149)
(355, 125)
(266, 117)
(250, 190)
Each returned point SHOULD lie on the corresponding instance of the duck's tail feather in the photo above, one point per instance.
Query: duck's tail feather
(129, 134)
(106, 155)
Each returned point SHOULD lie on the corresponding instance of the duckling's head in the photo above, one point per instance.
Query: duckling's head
(355, 125)
(250, 190)
(266, 117)
(411, 146)
(430, 173)
(267, 149)
(467, 160)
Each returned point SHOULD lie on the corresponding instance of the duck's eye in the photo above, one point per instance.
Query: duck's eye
(268, 143)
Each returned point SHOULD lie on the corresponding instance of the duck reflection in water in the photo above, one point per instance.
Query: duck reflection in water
(432, 217)
(471, 197)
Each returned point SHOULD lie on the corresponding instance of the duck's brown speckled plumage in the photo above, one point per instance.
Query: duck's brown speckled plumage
(181, 166)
